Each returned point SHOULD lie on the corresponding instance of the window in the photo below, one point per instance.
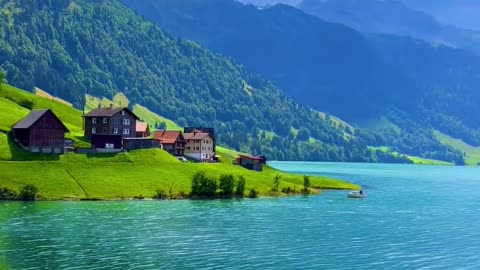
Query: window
(126, 131)
(115, 131)
(123, 112)
(109, 145)
(94, 120)
(94, 130)
(104, 129)
(115, 121)
(105, 120)
(126, 121)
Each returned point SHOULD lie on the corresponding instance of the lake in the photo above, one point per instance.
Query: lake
(415, 217)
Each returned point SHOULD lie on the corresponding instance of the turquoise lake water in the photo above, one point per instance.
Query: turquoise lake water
(415, 217)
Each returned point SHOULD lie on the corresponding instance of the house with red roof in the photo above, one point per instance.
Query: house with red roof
(172, 141)
(200, 145)
(142, 130)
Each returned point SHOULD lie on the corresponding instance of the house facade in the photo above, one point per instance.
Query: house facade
(209, 130)
(111, 121)
(172, 141)
(200, 146)
(40, 132)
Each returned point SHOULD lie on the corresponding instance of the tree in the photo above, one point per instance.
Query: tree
(240, 187)
(227, 184)
(276, 181)
(203, 185)
(306, 183)
(303, 134)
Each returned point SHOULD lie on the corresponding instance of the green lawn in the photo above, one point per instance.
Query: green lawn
(472, 154)
(151, 118)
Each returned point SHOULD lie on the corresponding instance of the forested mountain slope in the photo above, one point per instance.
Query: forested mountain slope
(100, 47)
(336, 69)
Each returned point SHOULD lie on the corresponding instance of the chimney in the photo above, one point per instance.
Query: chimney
(111, 105)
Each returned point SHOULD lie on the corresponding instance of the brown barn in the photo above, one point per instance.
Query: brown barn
(111, 121)
(251, 162)
(40, 132)
(142, 130)
(172, 140)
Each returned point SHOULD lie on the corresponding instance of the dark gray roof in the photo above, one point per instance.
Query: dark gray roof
(32, 118)
(108, 112)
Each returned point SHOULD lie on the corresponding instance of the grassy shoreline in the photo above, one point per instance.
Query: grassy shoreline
(136, 174)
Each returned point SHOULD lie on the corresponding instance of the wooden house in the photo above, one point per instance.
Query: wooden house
(111, 121)
(253, 163)
(200, 146)
(172, 141)
(41, 131)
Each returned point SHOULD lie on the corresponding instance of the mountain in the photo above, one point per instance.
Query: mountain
(392, 17)
(336, 69)
(461, 13)
(100, 47)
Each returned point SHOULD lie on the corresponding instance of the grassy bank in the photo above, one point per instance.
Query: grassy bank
(132, 174)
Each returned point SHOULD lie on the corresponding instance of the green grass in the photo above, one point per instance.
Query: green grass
(416, 160)
(151, 118)
(132, 174)
(123, 175)
(472, 154)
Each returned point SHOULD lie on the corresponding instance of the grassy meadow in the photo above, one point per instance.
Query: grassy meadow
(113, 176)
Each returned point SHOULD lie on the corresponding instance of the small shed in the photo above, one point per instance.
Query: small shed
(254, 163)
(142, 130)
(41, 131)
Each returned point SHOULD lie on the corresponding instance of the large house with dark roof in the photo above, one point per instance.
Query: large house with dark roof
(172, 141)
(40, 132)
(200, 145)
(111, 121)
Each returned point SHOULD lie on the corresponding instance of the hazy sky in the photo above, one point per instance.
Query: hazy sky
(265, 2)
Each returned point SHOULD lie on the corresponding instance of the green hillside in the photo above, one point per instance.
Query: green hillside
(472, 154)
(123, 175)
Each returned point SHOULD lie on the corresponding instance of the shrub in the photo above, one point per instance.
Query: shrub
(287, 190)
(253, 193)
(7, 194)
(161, 194)
(240, 188)
(28, 193)
(227, 184)
(203, 185)
(306, 183)
(276, 181)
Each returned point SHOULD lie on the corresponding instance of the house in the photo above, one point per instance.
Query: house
(251, 162)
(142, 130)
(40, 132)
(173, 141)
(141, 143)
(111, 121)
(200, 146)
(210, 131)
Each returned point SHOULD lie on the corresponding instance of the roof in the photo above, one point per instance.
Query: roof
(141, 127)
(108, 112)
(167, 136)
(33, 117)
(250, 157)
(196, 136)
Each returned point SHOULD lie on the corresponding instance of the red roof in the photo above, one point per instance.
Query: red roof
(250, 157)
(196, 136)
(141, 127)
(167, 136)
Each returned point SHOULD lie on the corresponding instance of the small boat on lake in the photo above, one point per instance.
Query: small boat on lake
(356, 194)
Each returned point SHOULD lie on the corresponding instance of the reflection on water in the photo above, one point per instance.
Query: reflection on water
(414, 217)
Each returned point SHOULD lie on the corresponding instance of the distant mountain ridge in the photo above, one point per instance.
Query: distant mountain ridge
(392, 17)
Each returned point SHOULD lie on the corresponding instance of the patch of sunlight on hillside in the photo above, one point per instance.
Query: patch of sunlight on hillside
(151, 118)
(472, 154)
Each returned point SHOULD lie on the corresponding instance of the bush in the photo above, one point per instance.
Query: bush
(161, 194)
(240, 188)
(203, 185)
(28, 193)
(227, 184)
(306, 184)
(7, 194)
(276, 181)
(253, 193)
